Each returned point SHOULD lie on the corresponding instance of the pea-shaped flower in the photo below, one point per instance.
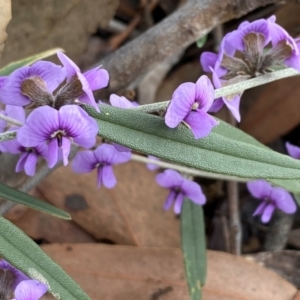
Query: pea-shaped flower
(272, 198)
(189, 104)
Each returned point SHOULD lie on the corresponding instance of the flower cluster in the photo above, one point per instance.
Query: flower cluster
(56, 93)
(252, 50)
(17, 286)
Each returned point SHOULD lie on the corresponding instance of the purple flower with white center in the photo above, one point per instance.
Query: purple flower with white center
(102, 159)
(189, 104)
(84, 84)
(250, 51)
(293, 151)
(272, 198)
(57, 129)
(30, 290)
(32, 84)
(180, 188)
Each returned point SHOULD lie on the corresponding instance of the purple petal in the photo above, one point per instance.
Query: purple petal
(234, 106)
(65, 149)
(260, 189)
(78, 125)
(30, 163)
(108, 177)
(169, 179)
(21, 162)
(52, 155)
(193, 191)
(99, 177)
(260, 209)
(84, 162)
(267, 214)
(70, 66)
(30, 290)
(16, 112)
(217, 105)
(293, 61)
(201, 123)
(39, 126)
(283, 200)
(204, 93)
(121, 102)
(109, 155)
(97, 78)
(170, 199)
(150, 166)
(13, 146)
(182, 101)
(293, 150)
(178, 203)
(207, 60)
(121, 148)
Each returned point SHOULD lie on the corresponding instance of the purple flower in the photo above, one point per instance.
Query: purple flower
(30, 290)
(103, 158)
(179, 189)
(293, 150)
(13, 275)
(150, 166)
(57, 129)
(250, 51)
(32, 83)
(85, 83)
(272, 198)
(189, 104)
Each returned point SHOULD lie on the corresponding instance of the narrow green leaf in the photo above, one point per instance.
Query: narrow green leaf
(17, 248)
(200, 43)
(27, 61)
(226, 150)
(297, 198)
(17, 196)
(193, 247)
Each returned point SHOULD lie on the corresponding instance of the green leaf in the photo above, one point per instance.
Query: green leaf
(297, 198)
(14, 195)
(227, 150)
(18, 249)
(27, 61)
(288, 184)
(193, 247)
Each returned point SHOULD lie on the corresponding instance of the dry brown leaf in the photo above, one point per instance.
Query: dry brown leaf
(123, 272)
(129, 214)
(5, 16)
(38, 25)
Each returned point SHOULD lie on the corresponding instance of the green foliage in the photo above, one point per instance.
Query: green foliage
(17, 196)
(193, 247)
(18, 249)
(226, 151)
(27, 61)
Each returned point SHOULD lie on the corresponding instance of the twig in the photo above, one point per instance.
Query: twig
(176, 32)
(11, 120)
(8, 135)
(187, 170)
(233, 205)
(230, 89)
(278, 231)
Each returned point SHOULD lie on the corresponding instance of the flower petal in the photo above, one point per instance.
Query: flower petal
(108, 177)
(84, 162)
(193, 191)
(201, 123)
(121, 102)
(97, 78)
(30, 163)
(65, 149)
(178, 203)
(169, 179)
(70, 66)
(283, 200)
(30, 290)
(293, 150)
(39, 126)
(260, 209)
(267, 214)
(208, 59)
(260, 189)
(99, 177)
(121, 148)
(16, 112)
(204, 93)
(170, 199)
(234, 106)
(150, 166)
(217, 105)
(108, 154)
(182, 101)
(52, 155)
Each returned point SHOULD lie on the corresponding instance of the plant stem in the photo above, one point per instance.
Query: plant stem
(9, 135)
(11, 120)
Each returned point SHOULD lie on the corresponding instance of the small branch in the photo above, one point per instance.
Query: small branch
(9, 135)
(187, 170)
(230, 89)
(10, 120)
